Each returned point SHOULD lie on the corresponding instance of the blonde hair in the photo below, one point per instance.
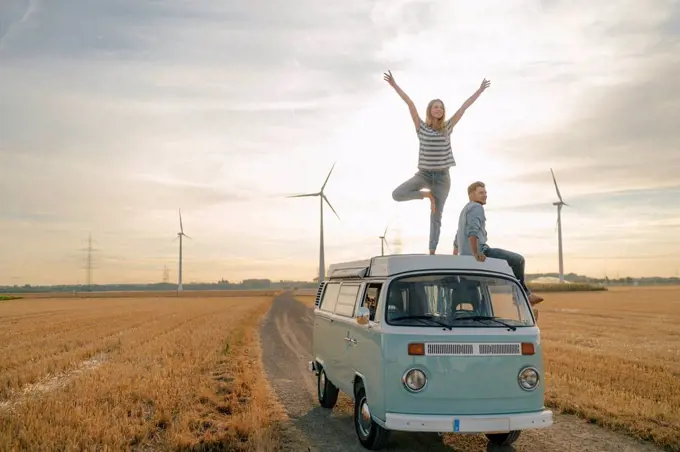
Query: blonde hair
(437, 124)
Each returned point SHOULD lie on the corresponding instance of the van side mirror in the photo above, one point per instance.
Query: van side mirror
(363, 315)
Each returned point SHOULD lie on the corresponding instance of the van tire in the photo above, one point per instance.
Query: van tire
(326, 391)
(377, 437)
(503, 439)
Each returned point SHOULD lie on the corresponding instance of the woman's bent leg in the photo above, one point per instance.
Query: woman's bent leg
(410, 189)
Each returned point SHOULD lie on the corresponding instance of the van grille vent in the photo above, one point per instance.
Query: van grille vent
(318, 294)
(472, 349)
(450, 349)
(500, 349)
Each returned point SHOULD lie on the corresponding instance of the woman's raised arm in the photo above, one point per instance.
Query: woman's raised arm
(411, 106)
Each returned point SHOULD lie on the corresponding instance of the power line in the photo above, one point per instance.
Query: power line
(89, 262)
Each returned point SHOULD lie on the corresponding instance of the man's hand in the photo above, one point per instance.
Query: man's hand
(480, 257)
(455, 251)
(485, 84)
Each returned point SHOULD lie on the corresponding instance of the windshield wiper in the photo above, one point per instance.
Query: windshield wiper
(486, 317)
(422, 318)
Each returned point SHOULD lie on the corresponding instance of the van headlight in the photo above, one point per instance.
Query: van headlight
(528, 378)
(414, 380)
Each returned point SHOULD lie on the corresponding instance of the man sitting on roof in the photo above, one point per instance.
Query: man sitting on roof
(471, 239)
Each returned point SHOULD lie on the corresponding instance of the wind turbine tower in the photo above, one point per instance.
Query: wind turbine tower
(180, 234)
(383, 242)
(322, 198)
(559, 205)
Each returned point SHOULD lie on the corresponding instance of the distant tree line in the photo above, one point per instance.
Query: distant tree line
(247, 284)
(625, 281)
(263, 284)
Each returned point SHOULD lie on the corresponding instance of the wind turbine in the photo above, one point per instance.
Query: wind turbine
(322, 198)
(383, 242)
(559, 205)
(180, 234)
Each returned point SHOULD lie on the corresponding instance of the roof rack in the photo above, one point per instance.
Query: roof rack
(391, 265)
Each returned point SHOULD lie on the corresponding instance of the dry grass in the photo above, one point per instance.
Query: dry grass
(566, 287)
(613, 358)
(185, 373)
(133, 374)
(148, 293)
(307, 300)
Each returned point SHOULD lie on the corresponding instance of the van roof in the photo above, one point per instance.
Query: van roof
(386, 266)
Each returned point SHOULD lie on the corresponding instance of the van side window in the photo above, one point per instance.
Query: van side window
(370, 300)
(347, 299)
(330, 297)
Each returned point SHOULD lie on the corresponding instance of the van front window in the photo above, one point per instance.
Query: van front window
(457, 301)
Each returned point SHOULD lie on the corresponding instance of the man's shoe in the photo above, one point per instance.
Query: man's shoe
(534, 299)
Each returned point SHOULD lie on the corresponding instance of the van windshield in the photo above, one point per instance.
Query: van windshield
(456, 300)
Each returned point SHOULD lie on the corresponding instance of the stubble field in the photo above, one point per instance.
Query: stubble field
(613, 357)
(180, 373)
(185, 373)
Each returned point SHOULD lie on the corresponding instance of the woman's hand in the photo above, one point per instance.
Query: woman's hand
(485, 84)
(390, 79)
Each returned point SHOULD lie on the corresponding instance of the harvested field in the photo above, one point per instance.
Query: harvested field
(612, 357)
(135, 373)
(145, 293)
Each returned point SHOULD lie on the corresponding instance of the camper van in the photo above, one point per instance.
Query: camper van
(429, 343)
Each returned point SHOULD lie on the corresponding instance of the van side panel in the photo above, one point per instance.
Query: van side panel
(322, 342)
(325, 345)
(366, 361)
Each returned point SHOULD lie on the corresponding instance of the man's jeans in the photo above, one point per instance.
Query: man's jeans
(514, 260)
(439, 184)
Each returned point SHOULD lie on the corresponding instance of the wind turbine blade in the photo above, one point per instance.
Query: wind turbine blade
(186, 236)
(181, 228)
(303, 196)
(327, 177)
(385, 233)
(329, 205)
(556, 188)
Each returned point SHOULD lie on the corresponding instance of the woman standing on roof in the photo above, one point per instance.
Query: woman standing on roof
(435, 156)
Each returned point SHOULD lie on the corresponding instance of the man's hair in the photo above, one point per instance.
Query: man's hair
(473, 186)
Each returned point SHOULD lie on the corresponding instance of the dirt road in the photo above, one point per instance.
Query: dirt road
(286, 340)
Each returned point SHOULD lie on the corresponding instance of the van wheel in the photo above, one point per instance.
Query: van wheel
(371, 435)
(503, 439)
(326, 391)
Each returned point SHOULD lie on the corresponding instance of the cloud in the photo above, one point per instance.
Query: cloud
(113, 115)
(633, 125)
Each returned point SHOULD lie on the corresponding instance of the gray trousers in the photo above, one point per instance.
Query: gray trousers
(439, 184)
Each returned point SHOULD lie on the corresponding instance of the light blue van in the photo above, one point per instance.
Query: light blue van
(429, 343)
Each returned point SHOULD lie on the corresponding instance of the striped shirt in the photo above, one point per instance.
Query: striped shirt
(435, 148)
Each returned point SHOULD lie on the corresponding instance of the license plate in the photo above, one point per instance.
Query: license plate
(456, 425)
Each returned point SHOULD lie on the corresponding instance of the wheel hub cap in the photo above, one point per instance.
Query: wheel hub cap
(322, 383)
(365, 418)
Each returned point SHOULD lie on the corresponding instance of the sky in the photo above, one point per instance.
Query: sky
(115, 115)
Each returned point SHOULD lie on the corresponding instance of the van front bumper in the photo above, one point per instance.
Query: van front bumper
(468, 424)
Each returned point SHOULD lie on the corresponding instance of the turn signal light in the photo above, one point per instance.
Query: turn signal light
(528, 348)
(416, 349)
